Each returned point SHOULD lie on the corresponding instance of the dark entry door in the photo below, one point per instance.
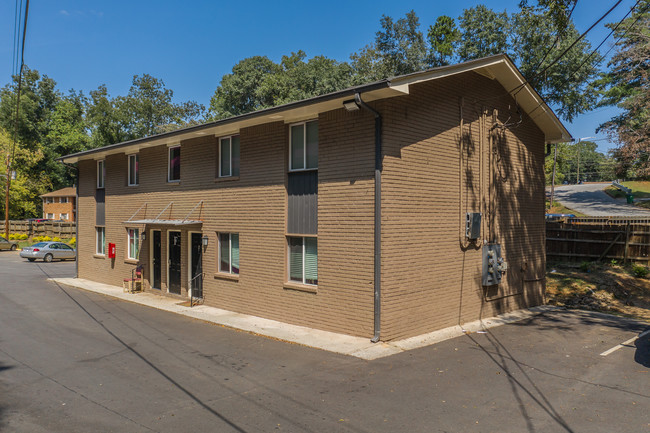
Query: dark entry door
(157, 259)
(174, 263)
(197, 266)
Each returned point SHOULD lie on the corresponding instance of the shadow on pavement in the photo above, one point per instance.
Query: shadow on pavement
(642, 354)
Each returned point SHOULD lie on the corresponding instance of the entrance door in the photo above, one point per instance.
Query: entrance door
(174, 263)
(196, 275)
(156, 259)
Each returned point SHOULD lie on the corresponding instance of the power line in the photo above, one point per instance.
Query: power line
(640, 14)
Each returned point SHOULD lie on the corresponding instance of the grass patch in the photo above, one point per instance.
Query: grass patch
(560, 208)
(614, 192)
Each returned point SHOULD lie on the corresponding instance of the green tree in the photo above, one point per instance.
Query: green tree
(399, 48)
(483, 33)
(443, 37)
(239, 92)
(566, 84)
(627, 85)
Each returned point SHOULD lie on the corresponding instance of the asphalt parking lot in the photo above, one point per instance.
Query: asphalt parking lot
(75, 361)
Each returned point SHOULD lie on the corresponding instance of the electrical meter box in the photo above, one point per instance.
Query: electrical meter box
(494, 266)
(473, 225)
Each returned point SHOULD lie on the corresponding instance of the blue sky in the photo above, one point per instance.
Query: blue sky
(191, 44)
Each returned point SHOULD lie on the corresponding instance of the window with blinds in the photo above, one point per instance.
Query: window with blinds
(229, 253)
(303, 260)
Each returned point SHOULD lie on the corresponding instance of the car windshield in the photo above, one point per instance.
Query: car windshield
(40, 244)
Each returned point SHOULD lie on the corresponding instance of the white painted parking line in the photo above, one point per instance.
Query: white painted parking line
(625, 343)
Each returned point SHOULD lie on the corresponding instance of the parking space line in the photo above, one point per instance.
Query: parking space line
(625, 343)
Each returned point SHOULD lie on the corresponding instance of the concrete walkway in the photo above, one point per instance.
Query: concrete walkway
(338, 343)
(591, 200)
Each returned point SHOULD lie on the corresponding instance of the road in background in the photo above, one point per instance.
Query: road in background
(591, 200)
(75, 361)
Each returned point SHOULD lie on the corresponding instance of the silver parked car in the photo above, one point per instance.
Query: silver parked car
(48, 251)
(7, 245)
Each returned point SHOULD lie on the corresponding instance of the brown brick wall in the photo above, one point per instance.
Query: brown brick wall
(253, 205)
(58, 208)
(428, 281)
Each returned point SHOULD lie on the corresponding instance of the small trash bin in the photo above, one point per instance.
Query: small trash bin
(630, 198)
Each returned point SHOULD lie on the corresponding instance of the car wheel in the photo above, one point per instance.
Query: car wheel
(13, 247)
(48, 258)
(31, 259)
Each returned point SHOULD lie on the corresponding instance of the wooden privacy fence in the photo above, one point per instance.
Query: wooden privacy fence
(45, 228)
(598, 240)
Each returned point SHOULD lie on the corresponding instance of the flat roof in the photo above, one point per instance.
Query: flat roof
(498, 67)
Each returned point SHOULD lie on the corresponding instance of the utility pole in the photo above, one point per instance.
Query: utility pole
(13, 149)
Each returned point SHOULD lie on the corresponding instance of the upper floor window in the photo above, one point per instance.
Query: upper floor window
(303, 146)
(229, 156)
(134, 169)
(49, 200)
(174, 164)
(64, 199)
(101, 173)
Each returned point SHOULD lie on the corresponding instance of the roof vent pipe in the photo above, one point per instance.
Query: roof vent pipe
(354, 106)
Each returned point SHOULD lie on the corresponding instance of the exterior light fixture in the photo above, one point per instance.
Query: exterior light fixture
(351, 105)
(144, 236)
(204, 241)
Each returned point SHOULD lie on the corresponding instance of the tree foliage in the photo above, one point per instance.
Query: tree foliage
(627, 85)
(594, 166)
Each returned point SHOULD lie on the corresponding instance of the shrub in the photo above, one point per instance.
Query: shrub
(56, 239)
(640, 271)
(46, 238)
(12, 236)
(23, 237)
(72, 242)
(585, 266)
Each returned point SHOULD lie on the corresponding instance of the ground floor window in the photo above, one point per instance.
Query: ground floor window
(134, 244)
(229, 253)
(100, 235)
(64, 216)
(303, 260)
(50, 216)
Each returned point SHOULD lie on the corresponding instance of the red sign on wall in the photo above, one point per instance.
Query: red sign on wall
(111, 251)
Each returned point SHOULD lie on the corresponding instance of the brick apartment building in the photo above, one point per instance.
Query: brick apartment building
(60, 204)
(345, 212)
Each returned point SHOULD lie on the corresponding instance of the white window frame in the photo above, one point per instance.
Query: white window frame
(169, 164)
(136, 159)
(64, 216)
(64, 199)
(229, 138)
(50, 216)
(49, 200)
(129, 253)
(304, 144)
(101, 174)
(103, 231)
(229, 253)
(304, 281)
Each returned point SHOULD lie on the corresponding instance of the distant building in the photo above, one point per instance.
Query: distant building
(60, 205)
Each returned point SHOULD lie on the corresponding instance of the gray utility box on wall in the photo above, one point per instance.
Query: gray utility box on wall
(493, 264)
(473, 225)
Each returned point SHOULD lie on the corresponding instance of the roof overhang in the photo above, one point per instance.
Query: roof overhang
(498, 67)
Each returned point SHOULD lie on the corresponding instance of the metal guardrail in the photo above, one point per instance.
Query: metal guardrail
(625, 189)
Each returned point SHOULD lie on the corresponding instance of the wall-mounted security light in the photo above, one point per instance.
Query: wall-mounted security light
(351, 105)
(204, 241)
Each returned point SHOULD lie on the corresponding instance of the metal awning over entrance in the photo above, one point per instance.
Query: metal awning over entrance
(164, 222)
(168, 219)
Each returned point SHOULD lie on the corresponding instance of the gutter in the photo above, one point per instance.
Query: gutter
(377, 241)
